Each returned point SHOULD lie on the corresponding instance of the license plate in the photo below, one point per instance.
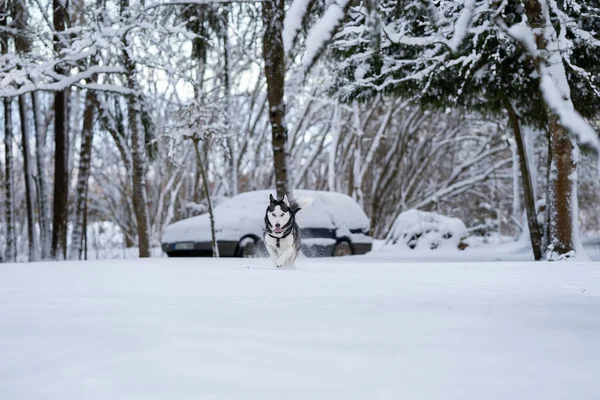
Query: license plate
(184, 246)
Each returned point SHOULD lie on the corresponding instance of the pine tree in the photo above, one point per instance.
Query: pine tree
(482, 55)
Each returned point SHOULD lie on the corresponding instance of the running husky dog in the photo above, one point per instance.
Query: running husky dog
(282, 237)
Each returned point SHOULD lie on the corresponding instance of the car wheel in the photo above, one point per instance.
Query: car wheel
(248, 248)
(342, 249)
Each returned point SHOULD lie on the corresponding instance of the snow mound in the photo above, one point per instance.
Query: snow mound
(426, 230)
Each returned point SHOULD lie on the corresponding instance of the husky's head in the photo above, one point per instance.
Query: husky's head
(279, 216)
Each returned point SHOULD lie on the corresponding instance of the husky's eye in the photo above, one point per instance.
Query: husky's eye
(273, 214)
(282, 214)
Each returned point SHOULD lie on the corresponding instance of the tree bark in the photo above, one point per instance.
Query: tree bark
(42, 185)
(535, 233)
(85, 231)
(274, 58)
(61, 174)
(10, 254)
(231, 139)
(357, 193)
(29, 186)
(85, 158)
(562, 189)
(215, 246)
(23, 46)
(138, 148)
(333, 150)
(516, 204)
(562, 180)
(138, 157)
(546, 227)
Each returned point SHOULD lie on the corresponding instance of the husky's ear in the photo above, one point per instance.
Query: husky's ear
(272, 199)
(285, 200)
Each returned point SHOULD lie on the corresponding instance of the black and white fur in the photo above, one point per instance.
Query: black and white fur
(282, 236)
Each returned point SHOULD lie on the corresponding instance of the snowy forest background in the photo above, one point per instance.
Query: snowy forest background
(118, 115)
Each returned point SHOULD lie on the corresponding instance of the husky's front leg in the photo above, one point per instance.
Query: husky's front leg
(273, 255)
(285, 256)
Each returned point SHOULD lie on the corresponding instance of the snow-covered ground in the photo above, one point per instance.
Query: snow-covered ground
(504, 249)
(349, 328)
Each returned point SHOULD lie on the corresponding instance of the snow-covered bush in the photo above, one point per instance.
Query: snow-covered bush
(427, 230)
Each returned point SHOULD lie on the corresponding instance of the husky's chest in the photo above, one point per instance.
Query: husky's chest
(281, 244)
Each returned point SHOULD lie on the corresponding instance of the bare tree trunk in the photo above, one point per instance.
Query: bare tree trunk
(138, 156)
(138, 148)
(61, 174)
(516, 204)
(61, 179)
(196, 187)
(535, 232)
(561, 187)
(85, 158)
(274, 57)
(85, 231)
(546, 236)
(333, 149)
(10, 252)
(357, 193)
(79, 237)
(42, 185)
(231, 139)
(73, 118)
(22, 45)
(351, 171)
(215, 246)
(29, 186)
(562, 179)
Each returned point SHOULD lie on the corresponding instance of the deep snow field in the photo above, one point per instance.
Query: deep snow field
(350, 328)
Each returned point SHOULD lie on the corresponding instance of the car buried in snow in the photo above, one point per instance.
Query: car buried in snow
(333, 225)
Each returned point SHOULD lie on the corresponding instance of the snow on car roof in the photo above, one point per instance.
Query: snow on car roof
(345, 212)
(329, 210)
(253, 205)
